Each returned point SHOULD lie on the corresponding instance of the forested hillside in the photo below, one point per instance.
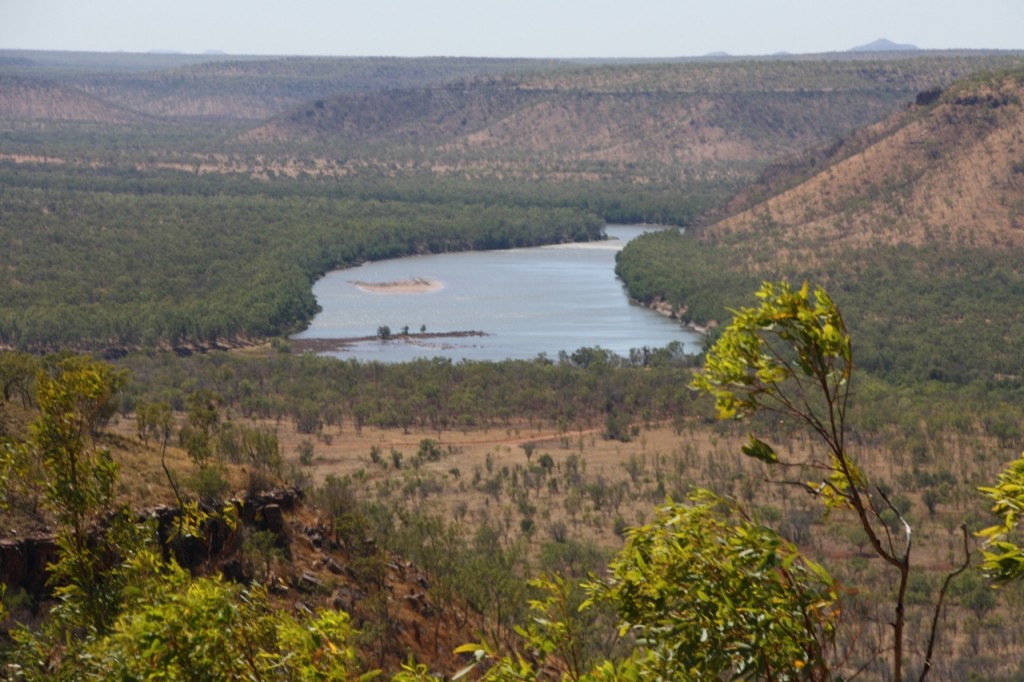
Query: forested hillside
(915, 224)
(30, 98)
(233, 88)
(594, 128)
(667, 123)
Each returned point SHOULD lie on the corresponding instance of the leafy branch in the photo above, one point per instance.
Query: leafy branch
(792, 356)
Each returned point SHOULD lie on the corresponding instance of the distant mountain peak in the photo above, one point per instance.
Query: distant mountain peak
(883, 45)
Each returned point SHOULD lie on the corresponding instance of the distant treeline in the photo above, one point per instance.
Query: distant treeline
(122, 258)
(590, 388)
(617, 201)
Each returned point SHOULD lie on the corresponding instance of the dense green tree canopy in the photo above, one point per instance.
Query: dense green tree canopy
(172, 258)
(943, 319)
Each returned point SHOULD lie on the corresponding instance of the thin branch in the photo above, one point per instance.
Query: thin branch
(878, 654)
(938, 605)
(906, 526)
(899, 624)
(170, 478)
(885, 526)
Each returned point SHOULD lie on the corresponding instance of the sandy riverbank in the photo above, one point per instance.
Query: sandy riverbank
(419, 285)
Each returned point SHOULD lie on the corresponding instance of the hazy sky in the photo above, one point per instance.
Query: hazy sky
(507, 28)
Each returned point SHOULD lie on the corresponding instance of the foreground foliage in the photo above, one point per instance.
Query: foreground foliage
(177, 627)
(701, 593)
(792, 356)
(1004, 550)
(709, 596)
(122, 611)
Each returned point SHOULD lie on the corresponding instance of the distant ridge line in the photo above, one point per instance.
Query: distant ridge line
(883, 45)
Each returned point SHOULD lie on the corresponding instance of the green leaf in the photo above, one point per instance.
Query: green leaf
(758, 449)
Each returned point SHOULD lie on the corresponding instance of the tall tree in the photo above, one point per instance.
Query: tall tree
(791, 356)
(76, 395)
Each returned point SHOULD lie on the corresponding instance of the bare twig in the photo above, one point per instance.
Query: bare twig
(926, 668)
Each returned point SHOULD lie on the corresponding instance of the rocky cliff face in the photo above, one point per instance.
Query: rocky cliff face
(23, 562)
(320, 568)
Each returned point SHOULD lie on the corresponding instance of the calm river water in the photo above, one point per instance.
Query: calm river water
(527, 301)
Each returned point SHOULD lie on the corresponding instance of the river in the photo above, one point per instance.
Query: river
(526, 302)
